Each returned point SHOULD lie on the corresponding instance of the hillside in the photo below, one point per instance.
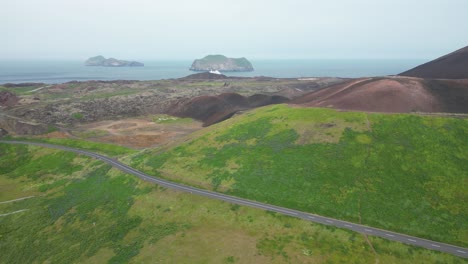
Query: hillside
(405, 173)
(450, 66)
(214, 109)
(64, 106)
(75, 209)
(392, 94)
(400, 172)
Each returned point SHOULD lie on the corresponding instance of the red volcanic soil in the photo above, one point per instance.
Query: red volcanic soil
(451, 66)
(397, 95)
(214, 109)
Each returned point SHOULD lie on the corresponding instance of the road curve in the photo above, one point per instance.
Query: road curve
(415, 241)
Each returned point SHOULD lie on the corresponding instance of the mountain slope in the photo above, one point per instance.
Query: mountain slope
(392, 94)
(450, 66)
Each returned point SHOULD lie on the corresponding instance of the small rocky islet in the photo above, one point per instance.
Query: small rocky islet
(111, 62)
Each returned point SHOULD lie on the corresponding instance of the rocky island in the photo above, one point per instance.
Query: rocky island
(111, 62)
(221, 63)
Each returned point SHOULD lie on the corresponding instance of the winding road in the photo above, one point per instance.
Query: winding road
(432, 245)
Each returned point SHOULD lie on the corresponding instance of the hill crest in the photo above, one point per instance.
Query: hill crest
(451, 66)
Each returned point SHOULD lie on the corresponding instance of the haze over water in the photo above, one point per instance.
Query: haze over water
(65, 71)
(146, 30)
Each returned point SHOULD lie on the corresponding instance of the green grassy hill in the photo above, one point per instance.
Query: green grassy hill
(400, 172)
(79, 210)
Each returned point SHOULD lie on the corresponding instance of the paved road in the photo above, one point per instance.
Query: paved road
(433, 245)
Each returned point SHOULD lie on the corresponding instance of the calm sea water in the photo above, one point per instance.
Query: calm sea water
(65, 71)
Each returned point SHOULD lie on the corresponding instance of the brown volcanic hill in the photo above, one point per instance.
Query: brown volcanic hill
(451, 66)
(214, 109)
(395, 94)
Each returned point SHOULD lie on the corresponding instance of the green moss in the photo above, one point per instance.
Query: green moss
(51, 129)
(99, 215)
(91, 133)
(88, 214)
(105, 148)
(19, 90)
(405, 173)
(48, 164)
(77, 116)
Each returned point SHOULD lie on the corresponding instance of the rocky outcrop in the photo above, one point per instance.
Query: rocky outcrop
(93, 110)
(83, 102)
(13, 125)
(221, 63)
(111, 62)
(8, 98)
(3, 132)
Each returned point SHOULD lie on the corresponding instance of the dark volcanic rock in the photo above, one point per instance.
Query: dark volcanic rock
(3, 132)
(214, 109)
(8, 98)
(17, 126)
(221, 63)
(451, 66)
(452, 94)
(205, 76)
(258, 100)
(95, 109)
(76, 102)
(111, 62)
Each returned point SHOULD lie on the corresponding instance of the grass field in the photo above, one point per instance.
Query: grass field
(83, 211)
(400, 172)
(19, 90)
(103, 148)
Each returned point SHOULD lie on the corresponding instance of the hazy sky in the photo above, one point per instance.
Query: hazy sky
(188, 29)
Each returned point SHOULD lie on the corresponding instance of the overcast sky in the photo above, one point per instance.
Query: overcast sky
(258, 29)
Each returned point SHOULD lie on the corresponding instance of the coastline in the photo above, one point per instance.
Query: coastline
(54, 72)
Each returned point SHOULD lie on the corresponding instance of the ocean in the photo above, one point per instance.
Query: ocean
(64, 71)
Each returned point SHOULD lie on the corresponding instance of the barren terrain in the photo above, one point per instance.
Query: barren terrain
(124, 112)
(392, 94)
(450, 66)
(136, 132)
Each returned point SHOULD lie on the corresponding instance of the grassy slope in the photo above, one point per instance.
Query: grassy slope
(405, 173)
(84, 211)
(26, 90)
(103, 148)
